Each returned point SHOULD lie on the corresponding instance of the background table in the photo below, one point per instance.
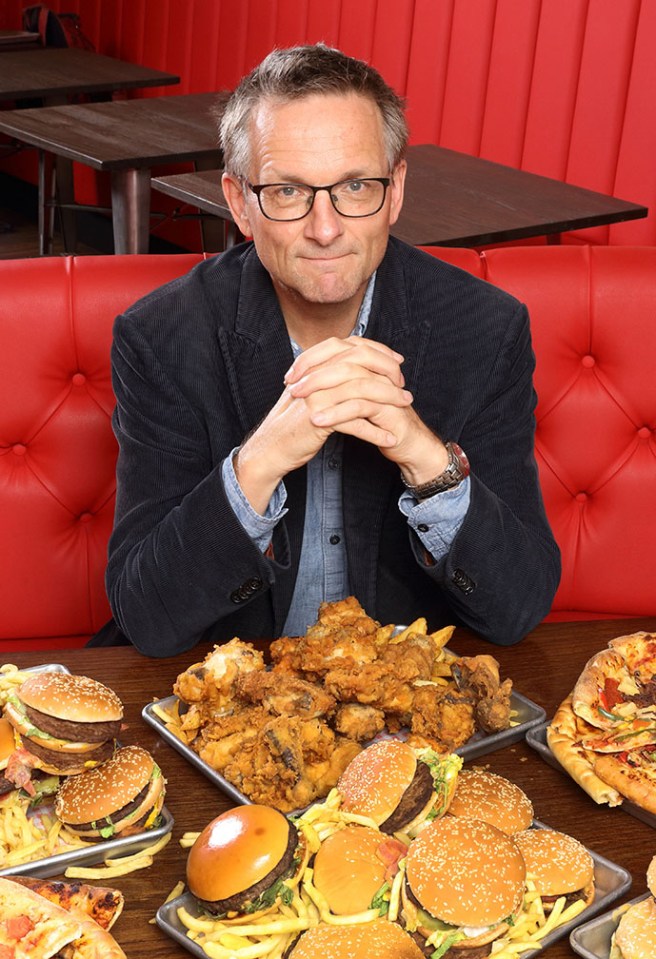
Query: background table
(544, 667)
(53, 72)
(125, 138)
(453, 199)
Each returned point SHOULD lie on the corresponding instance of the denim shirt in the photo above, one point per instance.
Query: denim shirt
(323, 569)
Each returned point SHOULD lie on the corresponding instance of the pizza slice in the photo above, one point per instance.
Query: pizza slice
(631, 773)
(634, 734)
(564, 736)
(638, 650)
(99, 903)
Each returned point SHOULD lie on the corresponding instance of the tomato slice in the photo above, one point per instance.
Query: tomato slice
(611, 693)
(18, 927)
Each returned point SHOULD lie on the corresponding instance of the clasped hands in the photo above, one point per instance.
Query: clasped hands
(353, 386)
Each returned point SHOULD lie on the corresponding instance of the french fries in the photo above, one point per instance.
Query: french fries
(120, 865)
(25, 837)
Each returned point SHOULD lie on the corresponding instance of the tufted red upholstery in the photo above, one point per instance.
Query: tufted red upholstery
(595, 338)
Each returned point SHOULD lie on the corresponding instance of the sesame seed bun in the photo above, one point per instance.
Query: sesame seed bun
(635, 936)
(380, 939)
(123, 795)
(348, 870)
(558, 864)
(651, 876)
(237, 851)
(492, 798)
(466, 873)
(75, 698)
(374, 781)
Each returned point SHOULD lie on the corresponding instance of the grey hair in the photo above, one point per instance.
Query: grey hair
(298, 72)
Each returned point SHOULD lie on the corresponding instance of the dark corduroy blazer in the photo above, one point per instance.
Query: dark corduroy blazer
(199, 362)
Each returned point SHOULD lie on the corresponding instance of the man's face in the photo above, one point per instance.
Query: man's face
(324, 258)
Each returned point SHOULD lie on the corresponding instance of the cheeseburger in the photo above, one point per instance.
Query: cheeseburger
(492, 798)
(380, 939)
(246, 861)
(465, 882)
(354, 867)
(558, 865)
(400, 788)
(120, 797)
(66, 723)
(16, 774)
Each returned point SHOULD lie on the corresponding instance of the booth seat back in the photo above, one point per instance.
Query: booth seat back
(595, 339)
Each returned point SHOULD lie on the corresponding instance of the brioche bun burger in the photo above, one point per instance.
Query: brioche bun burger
(354, 868)
(66, 723)
(397, 786)
(559, 865)
(483, 795)
(120, 797)
(635, 936)
(245, 862)
(379, 939)
(465, 883)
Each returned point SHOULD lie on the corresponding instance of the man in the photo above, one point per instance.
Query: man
(292, 414)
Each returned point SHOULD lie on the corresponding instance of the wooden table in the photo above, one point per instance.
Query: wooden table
(544, 667)
(125, 138)
(453, 199)
(53, 72)
(18, 40)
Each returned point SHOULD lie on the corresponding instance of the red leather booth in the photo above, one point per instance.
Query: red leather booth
(592, 312)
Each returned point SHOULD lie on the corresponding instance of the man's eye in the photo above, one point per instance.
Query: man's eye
(288, 192)
(355, 186)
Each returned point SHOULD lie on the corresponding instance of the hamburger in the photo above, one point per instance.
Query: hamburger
(558, 865)
(33, 785)
(465, 883)
(399, 787)
(65, 723)
(492, 798)
(380, 939)
(245, 862)
(120, 797)
(354, 867)
(635, 936)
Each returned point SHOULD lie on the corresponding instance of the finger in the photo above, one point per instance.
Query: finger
(368, 353)
(365, 430)
(330, 417)
(347, 367)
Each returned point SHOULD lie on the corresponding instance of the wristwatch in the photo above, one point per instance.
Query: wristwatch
(456, 470)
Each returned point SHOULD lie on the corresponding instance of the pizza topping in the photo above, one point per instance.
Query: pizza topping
(610, 695)
(18, 927)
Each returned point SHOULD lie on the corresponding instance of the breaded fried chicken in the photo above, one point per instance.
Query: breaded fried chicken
(285, 695)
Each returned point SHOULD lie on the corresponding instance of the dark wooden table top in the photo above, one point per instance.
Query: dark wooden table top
(51, 71)
(453, 199)
(122, 134)
(544, 667)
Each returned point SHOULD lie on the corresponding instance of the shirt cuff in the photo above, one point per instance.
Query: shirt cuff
(437, 520)
(259, 528)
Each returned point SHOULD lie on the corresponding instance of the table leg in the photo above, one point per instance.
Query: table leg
(45, 203)
(66, 201)
(213, 230)
(131, 210)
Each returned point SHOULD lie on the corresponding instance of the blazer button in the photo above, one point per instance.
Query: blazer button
(239, 595)
(464, 583)
(252, 585)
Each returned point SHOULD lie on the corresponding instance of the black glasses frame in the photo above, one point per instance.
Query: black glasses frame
(258, 187)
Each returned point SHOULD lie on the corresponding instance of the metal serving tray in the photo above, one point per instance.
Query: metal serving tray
(527, 713)
(536, 737)
(93, 853)
(592, 939)
(611, 881)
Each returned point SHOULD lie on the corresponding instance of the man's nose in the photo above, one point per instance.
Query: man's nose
(323, 221)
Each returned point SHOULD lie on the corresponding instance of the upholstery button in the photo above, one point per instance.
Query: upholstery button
(423, 528)
(644, 432)
(85, 517)
(588, 361)
(581, 497)
(19, 449)
(335, 539)
(79, 379)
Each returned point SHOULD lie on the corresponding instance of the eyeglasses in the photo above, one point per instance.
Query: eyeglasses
(293, 201)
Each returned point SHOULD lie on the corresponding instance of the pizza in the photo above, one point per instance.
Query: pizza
(632, 773)
(564, 736)
(99, 903)
(616, 692)
(33, 926)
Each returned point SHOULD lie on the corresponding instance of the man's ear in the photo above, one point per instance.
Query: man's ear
(234, 194)
(396, 190)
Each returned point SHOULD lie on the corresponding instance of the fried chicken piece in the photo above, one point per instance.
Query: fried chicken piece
(444, 716)
(372, 684)
(480, 675)
(414, 657)
(213, 681)
(285, 695)
(230, 734)
(359, 722)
